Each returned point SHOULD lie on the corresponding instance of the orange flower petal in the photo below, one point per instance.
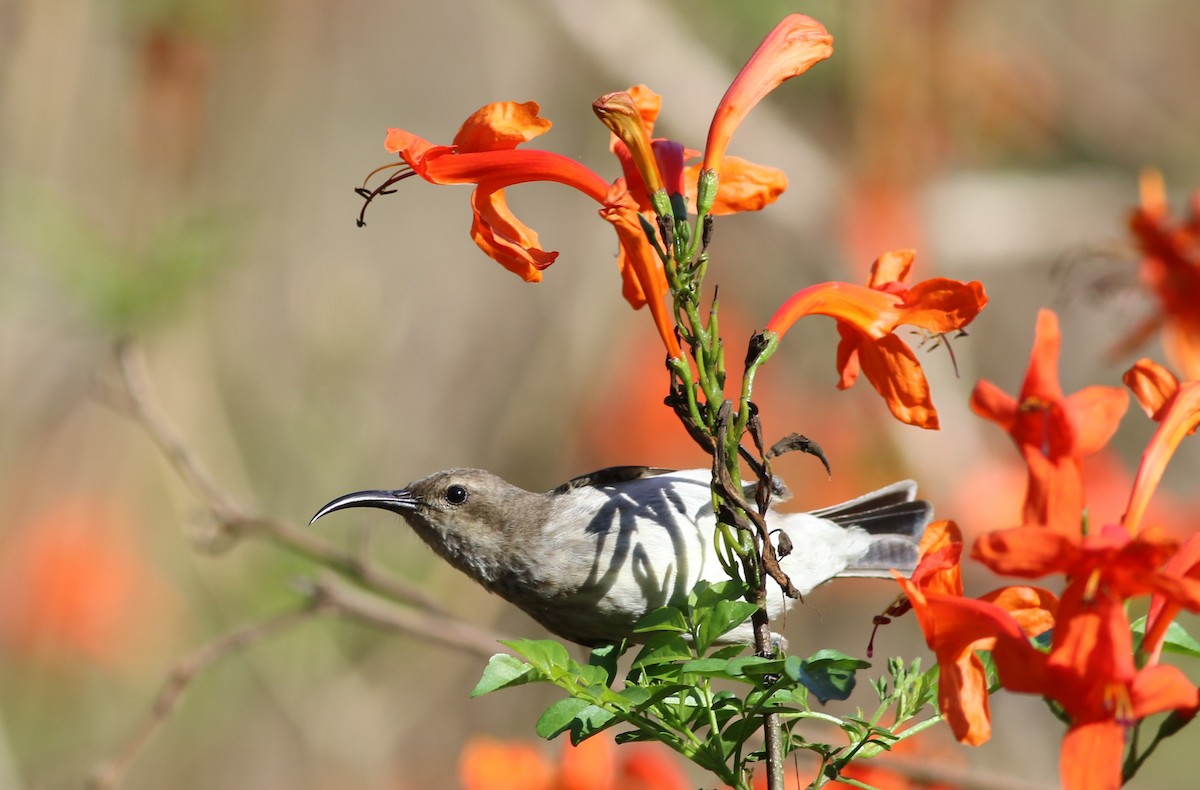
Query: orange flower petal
(891, 269)
(795, 45)
(1027, 552)
(1094, 414)
(992, 403)
(744, 186)
(1091, 756)
(504, 238)
(639, 260)
(1041, 377)
(940, 305)
(1033, 608)
(893, 370)
(589, 766)
(500, 126)
(1160, 688)
(1152, 385)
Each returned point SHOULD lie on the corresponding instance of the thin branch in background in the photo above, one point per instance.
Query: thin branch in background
(110, 772)
(136, 399)
(334, 595)
(327, 594)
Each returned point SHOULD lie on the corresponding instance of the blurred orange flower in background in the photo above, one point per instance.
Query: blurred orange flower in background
(1053, 431)
(1170, 270)
(74, 583)
(596, 764)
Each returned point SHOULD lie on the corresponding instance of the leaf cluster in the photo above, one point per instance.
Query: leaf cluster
(687, 687)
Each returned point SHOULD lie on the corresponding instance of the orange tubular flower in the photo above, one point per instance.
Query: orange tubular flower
(484, 153)
(868, 316)
(962, 682)
(1052, 432)
(792, 48)
(1089, 671)
(745, 186)
(1171, 271)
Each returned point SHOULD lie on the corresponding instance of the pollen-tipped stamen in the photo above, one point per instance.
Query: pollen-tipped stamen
(383, 189)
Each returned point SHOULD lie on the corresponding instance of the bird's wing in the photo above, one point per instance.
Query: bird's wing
(610, 476)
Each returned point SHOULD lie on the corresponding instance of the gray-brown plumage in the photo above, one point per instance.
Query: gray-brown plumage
(590, 557)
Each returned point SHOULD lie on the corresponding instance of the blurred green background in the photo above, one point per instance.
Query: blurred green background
(180, 171)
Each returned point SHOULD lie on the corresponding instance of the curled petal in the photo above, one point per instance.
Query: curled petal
(893, 370)
(1152, 385)
(892, 268)
(1033, 608)
(1160, 688)
(500, 126)
(648, 104)
(940, 305)
(504, 238)
(939, 570)
(792, 48)
(413, 149)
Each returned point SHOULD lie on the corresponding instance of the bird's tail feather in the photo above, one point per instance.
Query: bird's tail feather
(894, 518)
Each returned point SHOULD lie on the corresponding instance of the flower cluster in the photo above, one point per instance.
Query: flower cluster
(655, 176)
(1084, 659)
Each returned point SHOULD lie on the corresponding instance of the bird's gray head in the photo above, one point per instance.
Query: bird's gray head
(473, 518)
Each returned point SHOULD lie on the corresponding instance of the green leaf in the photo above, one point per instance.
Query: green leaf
(666, 618)
(589, 675)
(707, 596)
(589, 721)
(706, 666)
(721, 619)
(729, 651)
(559, 716)
(661, 649)
(605, 656)
(545, 654)
(504, 671)
(756, 666)
(829, 674)
(1177, 640)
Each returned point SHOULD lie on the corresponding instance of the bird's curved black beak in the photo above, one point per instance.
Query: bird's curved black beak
(396, 501)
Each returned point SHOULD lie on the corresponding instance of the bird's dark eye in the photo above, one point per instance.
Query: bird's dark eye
(456, 494)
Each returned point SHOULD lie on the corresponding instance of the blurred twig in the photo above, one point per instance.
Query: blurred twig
(110, 772)
(136, 399)
(329, 593)
(334, 595)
